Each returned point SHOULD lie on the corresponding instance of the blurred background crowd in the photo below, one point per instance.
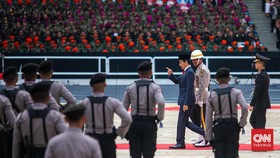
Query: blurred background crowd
(130, 26)
(272, 11)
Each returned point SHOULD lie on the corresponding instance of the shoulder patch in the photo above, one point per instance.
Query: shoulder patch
(201, 72)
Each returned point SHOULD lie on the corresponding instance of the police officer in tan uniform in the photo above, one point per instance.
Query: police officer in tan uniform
(19, 99)
(7, 120)
(35, 126)
(201, 84)
(6, 112)
(100, 110)
(58, 90)
(222, 126)
(73, 143)
(143, 95)
(29, 73)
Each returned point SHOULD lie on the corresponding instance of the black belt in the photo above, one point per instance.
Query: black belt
(226, 120)
(141, 117)
(100, 136)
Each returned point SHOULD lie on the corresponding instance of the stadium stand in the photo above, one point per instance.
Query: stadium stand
(74, 26)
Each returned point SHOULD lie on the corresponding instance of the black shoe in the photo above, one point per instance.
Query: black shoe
(177, 146)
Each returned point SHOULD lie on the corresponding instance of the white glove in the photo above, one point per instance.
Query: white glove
(200, 103)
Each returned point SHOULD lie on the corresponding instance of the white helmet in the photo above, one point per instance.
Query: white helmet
(196, 54)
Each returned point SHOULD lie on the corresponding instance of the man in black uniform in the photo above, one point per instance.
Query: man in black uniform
(260, 100)
(143, 95)
(223, 130)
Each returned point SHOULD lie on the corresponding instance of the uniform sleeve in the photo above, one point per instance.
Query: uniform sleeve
(49, 151)
(258, 89)
(53, 104)
(28, 100)
(126, 100)
(209, 120)
(8, 111)
(17, 139)
(96, 151)
(23, 100)
(160, 101)
(67, 95)
(59, 121)
(203, 84)
(174, 79)
(244, 109)
(125, 119)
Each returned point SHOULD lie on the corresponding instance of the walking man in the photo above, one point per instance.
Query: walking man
(143, 95)
(186, 100)
(201, 84)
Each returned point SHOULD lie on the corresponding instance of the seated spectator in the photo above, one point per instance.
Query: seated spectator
(88, 26)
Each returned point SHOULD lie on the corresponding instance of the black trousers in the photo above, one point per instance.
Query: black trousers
(258, 119)
(107, 144)
(226, 140)
(196, 114)
(273, 22)
(142, 138)
(6, 142)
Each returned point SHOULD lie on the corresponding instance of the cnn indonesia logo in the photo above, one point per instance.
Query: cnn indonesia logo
(262, 139)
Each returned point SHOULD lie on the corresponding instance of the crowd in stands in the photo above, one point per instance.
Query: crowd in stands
(126, 26)
(272, 10)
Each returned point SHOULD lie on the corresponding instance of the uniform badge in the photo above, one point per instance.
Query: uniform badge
(201, 72)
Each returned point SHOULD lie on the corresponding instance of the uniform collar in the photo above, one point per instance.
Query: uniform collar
(39, 105)
(200, 66)
(223, 86)
(260, 71)
(187, 68)
(10, 87)
(74, 129)
(44, 79)
(29, 82)
(98, 94)
(147, 79)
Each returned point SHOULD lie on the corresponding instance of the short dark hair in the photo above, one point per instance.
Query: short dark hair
(74, 112)
(30, 68)
(40, 91)
(10, 74)
(45, 67)
(97, 78)
(222, 72)
(144, 66)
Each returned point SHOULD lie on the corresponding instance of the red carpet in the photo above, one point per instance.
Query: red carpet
(172, 108)
(176, 107)
(191, 147)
